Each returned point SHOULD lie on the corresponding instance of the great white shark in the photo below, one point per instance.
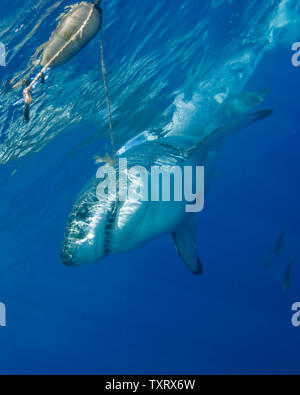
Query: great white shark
(100, 227)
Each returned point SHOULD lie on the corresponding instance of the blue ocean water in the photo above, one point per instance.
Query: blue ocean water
(143, 312)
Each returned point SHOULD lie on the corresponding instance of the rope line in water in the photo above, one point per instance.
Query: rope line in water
(112, 138)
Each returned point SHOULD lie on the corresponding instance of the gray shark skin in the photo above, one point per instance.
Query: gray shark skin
(98, 228)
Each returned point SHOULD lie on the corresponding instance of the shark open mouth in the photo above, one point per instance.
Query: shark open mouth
(111, 218)
(109, 226)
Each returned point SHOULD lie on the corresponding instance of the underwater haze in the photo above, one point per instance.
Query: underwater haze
(143, 312)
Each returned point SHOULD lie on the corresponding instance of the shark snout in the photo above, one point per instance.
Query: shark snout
(84, 237)
(81, 248)
(69, 252)
(68, 257)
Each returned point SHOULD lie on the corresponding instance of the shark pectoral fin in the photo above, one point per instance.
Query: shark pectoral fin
(185, 242)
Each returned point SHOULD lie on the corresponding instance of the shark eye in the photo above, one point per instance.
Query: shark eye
(83, 211)
(81, 234)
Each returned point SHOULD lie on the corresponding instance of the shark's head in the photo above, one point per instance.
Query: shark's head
(102, 225)
(84, 238)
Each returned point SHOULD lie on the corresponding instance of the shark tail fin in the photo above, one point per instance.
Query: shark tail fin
(216, 138)
(185, 242)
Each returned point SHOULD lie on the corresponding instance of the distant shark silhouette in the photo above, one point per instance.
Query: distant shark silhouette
(97, 228)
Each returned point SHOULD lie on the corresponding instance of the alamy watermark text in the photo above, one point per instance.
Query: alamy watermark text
(160, 184)
(2, 55)
(2, 314)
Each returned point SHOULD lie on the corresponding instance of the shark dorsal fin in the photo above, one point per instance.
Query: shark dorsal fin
(244, 102)
(217, 137)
